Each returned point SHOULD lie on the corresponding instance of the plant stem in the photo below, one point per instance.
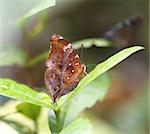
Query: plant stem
(36, 126)
(57, 113)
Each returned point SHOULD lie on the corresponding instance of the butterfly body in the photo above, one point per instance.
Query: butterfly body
(64, 69)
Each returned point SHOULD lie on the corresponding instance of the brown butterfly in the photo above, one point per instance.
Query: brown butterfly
(64, 69)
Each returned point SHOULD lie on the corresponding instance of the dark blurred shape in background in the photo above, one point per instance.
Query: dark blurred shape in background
(125, 32)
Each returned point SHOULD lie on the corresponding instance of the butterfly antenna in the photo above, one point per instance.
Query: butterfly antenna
(82, 58)
(81, 53)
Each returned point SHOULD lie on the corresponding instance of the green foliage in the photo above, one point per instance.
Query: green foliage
(87, 43)
(62, 114)
(11, 89)
(10, 55)
(103, 67)
(79, 126)
(106, 65)
(53, 122)
(29, 110)
(84, 98)
(39, 26)
(40, 6)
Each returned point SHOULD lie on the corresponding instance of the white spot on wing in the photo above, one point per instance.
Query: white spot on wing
(69, 45)
(60, 37)
(76, 57)
(57, 36)
(76, 64)
(72, 71)
(66, 47)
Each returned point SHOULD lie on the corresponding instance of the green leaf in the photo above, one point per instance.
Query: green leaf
(40, 6)
(90, 67)
(107, 64)
(85, 98)
(103, 67)
(39, 26)
(10, 55)
(69, 109)
(29, 110)
(11, 89)
(87, 43)
(79, 126)
(54, 127)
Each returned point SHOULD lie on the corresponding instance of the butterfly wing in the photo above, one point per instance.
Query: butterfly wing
(64, 68)
(53, 62)
(72, 73)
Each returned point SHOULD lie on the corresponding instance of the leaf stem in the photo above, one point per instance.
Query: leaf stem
(57, 115)
(36, 126)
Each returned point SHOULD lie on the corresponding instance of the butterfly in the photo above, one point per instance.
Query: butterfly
(64, 68)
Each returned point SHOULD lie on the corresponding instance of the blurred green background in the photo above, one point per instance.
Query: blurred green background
(125, 109)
